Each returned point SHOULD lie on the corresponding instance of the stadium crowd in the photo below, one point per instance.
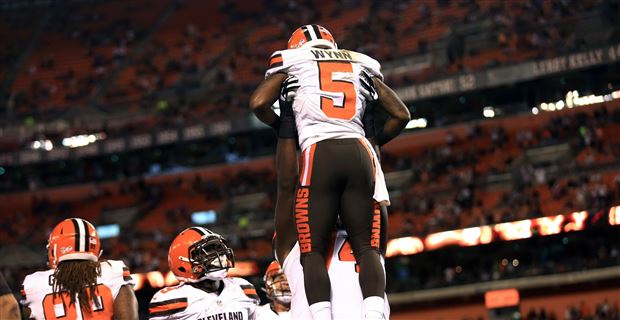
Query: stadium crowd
(602, 311)
(137, 65)
(447, 190)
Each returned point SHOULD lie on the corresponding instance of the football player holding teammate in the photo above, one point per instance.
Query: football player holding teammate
(341, 175)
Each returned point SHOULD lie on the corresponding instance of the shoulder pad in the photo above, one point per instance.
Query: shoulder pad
(248, 289)
(163, 304)
(371, 65)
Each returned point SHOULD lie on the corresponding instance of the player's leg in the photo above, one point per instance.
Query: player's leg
(362, 220)
(317, 202)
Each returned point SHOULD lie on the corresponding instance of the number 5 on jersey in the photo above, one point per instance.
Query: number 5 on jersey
(327, 83)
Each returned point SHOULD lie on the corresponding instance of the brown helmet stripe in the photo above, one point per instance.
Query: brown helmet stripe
(76, 230)
(316, 31)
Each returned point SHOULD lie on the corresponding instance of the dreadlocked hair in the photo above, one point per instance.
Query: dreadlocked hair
(77, 278)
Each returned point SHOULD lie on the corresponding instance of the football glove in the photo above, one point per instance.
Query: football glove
(289, 89)
(287, 128)
(367, 87)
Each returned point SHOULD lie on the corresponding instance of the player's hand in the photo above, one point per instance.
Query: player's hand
(287, 128)
(289, 89)
(367, 87)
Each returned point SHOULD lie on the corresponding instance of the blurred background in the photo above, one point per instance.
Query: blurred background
(133, 114)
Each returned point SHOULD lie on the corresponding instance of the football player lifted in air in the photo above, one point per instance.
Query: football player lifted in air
(277, 290)
(346, 297)
(340, 173)
(200, 259)
(79, 285)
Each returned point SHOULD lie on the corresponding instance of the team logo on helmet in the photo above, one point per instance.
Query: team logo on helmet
(73, 239)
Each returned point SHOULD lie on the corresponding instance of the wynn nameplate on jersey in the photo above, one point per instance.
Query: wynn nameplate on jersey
(328, 54)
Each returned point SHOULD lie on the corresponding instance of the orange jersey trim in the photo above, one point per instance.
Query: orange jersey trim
(372, 158)
(168, 307)
(276, 61)
(305, 178)
(249, 291)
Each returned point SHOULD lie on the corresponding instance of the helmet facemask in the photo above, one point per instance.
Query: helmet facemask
(277, 287)
(210, 255)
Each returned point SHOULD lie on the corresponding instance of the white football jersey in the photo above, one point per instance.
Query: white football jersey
(346, 299)
(237, 301)
(328, 103)
(266, 308)
(38, 294)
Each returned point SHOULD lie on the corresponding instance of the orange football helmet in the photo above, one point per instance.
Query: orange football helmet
(276, 284)
(73, 239)
(312, 35)
(198, 253)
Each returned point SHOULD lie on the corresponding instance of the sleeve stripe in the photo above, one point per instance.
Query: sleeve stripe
(276, 58)
(164, 313)
(247, 286)
(249, 291)
(127, 278)
(126, 273)
(166, 302)
(167, 309)
(276, 61)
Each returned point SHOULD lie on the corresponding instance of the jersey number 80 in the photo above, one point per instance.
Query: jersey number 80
(58, 307)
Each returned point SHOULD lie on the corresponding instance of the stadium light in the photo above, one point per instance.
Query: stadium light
(507, 231)
(488, 112)
(82, 140)
(572, 100)
(417, 123)
(614, 216)
(44, 144)
(204, 217)
(108, 231)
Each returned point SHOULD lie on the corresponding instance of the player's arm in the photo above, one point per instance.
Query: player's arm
(126, 304)
(9, 309)
(286, 163)
(286, 168)
(395, 108)
(263, 98)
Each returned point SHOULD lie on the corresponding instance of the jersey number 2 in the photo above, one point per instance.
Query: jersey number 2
(327, 83)
(59, 307)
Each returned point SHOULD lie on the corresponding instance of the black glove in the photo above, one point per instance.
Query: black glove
(367, 87)
(289, 89)
(287, 128)
(368, 121)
